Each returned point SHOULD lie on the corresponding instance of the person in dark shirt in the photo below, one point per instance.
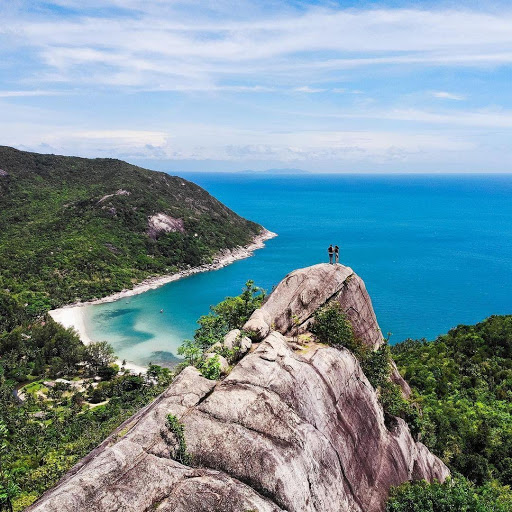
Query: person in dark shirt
(336, 254)
(330, 251)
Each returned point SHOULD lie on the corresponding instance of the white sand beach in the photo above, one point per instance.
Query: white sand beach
(73, 315)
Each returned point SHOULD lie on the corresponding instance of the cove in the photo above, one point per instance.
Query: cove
(434, 251)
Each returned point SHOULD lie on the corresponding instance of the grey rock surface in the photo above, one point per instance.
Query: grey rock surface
(293, 302)
(283, 431)
(286, 430)
(290, 307)
(231, 340)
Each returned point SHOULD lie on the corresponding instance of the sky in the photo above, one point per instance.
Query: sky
(200, 85)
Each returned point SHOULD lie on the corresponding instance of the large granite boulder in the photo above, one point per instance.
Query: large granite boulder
(290, 307)
(284, 431)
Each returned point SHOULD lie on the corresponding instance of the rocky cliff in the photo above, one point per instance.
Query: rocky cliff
(292, 304)
(295, 429)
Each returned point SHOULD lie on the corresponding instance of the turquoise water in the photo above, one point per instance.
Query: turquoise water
(434, 251)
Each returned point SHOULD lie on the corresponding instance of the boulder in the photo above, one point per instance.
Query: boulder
(284, 431)
(258, 325)
(231, 340)
(290, 307)
(245, 344)
(234, 339)
(224, 365)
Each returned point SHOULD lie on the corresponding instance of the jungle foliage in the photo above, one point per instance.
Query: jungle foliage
(77, 229)
(231, 313)
(457, 495)
(49, 429)
(463, 384)
(66, 234)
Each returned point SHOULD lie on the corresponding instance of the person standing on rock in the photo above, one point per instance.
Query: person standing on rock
(330, 251)
(336, 254)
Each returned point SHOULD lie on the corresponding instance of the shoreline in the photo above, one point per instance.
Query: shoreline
(73, 315)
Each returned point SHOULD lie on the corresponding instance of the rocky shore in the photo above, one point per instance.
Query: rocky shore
(290, 428)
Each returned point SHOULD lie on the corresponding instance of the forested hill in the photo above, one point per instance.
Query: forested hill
(79, 228)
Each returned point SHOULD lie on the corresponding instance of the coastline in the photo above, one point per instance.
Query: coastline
(73, 315)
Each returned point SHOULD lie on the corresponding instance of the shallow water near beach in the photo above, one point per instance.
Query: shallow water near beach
(434, 252)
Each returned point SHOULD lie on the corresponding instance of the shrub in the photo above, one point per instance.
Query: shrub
(210, 368)
(457, 495)
(107, 372)
(332, 327)
(231, 313)
(177, 428)
(376, 364)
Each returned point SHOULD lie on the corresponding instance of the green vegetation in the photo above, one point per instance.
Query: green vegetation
(231, 313)
(210, 367)
(463, 384)
(332, 327)
(75, 228)
(66, 233)
(55, 423)
(461, 407)
(458, 495)
(176, 427)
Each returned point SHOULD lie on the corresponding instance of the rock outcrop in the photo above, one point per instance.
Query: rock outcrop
(284, 431)
(162, 223)
(290, 307)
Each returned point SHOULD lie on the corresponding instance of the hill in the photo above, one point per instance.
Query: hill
(84, 228)
(463, 382)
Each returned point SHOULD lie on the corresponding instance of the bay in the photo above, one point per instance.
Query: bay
(434, 251)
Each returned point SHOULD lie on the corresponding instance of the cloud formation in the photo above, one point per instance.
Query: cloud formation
(156, 43)
(257, 81)
(448, 96)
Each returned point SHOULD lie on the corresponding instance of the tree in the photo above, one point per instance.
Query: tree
(457, 495)
(8, 488)
(332, 327)
(99, 354)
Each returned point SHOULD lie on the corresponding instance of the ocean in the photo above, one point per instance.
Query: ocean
(434, 251)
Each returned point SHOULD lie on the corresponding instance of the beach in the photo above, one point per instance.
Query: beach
(74, 315)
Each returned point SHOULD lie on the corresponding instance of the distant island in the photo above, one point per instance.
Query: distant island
(283, 171)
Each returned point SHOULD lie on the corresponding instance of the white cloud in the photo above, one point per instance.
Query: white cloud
(484, 118)
(168, 44)
(448, 96)
(308, 90)
(265, 49)
(23, 94)
(208, 142)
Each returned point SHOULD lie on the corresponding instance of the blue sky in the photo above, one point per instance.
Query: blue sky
(327, 86)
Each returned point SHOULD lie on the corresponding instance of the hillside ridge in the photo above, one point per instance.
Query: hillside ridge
(77, 228)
